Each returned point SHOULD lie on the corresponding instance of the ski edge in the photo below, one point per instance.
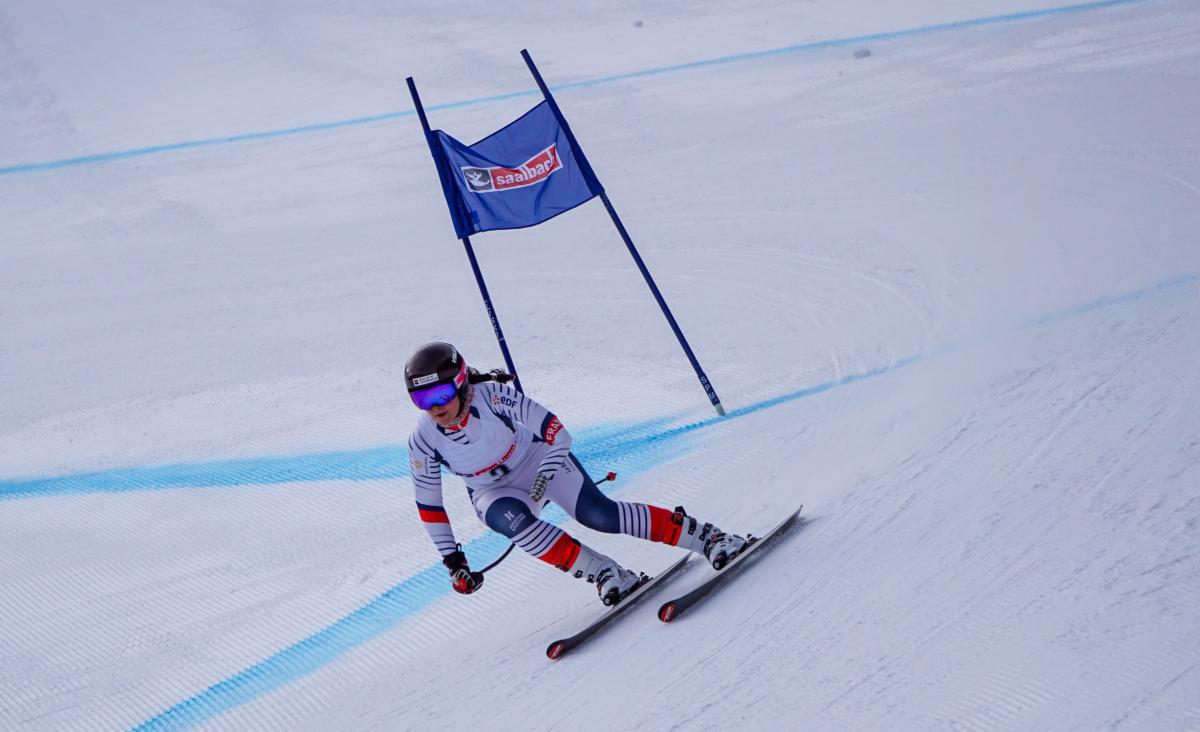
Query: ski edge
(559, 648)
(672, 609)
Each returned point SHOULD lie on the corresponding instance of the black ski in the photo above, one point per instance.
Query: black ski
(559, 648)
(672, 609)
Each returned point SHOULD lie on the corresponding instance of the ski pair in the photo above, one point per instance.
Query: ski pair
(559, 647)
(671, 609)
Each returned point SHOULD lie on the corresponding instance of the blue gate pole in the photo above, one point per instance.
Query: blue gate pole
(487, 303)
(612, 212)
(466, 240)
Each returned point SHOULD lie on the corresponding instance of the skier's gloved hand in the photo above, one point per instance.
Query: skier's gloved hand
(539, 487)
(462, 578)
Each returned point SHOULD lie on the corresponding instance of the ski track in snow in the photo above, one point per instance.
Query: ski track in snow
(948, 291)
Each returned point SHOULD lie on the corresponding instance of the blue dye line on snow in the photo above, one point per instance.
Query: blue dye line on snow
(717, 61)
(646, 444)
(381, 462)
(1158, 288)
(611, 445)
(637, 447)
(405, 599)
(853, 40)
(605, 443)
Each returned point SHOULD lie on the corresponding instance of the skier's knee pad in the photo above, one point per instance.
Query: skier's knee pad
(509, 516)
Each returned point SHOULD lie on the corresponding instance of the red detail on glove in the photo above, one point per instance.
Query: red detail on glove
(464, 581)
(563, 554)
(663, 527)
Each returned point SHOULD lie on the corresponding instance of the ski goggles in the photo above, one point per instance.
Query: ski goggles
(434, 396)
(440, 394)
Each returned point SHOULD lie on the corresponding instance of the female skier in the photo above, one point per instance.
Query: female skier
(513, 453)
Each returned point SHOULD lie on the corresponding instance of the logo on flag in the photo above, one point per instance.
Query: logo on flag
(536, 162)
(534, 170)
(531, 160)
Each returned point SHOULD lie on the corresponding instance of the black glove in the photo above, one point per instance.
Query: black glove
(462, 578)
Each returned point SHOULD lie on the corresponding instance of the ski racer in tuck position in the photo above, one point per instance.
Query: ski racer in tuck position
(514, 455)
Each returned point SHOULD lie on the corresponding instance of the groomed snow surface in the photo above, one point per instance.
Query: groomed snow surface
(949, 291)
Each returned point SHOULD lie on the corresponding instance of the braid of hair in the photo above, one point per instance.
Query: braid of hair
(500, 375)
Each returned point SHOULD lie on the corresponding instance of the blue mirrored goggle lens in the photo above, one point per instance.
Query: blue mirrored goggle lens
(434, 396)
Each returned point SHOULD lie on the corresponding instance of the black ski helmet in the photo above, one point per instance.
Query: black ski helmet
(436, 363)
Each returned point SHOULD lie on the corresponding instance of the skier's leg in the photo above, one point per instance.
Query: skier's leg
(579, 496)
(509, 512)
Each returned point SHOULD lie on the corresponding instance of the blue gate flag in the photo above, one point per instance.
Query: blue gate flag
(519, 176)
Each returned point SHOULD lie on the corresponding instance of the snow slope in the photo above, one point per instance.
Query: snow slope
(949, 291)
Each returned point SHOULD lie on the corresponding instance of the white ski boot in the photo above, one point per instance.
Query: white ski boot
(722, 547)
(615, 582)
(703, 538)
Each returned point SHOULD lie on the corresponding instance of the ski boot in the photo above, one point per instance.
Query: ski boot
(722, 547)
(703, 538)
(614, 583)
